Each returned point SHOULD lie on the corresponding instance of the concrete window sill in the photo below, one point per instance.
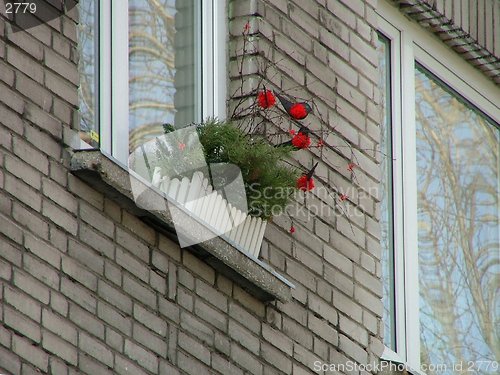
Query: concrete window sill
(113, 179)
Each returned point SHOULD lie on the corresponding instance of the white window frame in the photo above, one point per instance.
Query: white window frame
(411, 43)
(114, 74)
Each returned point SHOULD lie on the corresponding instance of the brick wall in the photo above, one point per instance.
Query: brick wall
(87, 287)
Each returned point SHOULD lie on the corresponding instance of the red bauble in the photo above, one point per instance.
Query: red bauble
(305, 183)
(266, 99)
(298, 111)
(301, 140)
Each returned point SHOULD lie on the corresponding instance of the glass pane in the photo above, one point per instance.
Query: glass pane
(163, 66)
(386, 216)
(458, 229)
(87, 68)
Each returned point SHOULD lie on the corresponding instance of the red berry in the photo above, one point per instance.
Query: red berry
(292, 229)
(266, 99)
(298, 111)
(305, 183)
(301, 140)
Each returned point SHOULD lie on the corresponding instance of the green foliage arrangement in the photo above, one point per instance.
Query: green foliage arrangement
(269, 182)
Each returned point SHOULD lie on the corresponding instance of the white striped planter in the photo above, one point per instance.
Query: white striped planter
(208, 206)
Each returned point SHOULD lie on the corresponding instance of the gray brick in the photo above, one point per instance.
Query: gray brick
(125, 367)
(210, 315)
(5, 337)
(59, 303)
(368, 300)
(353, 330)
(86, 321)
(90, 365)
(62, 88)
(113, 272)
(31, 286)
(114, 339)
(90, 195)
(5, 270)
(150, 320)
(151, 341)
(244, 317)
(244, 337)
(95, 349)
(41, 271)
(62, 66)
(131, 243)
(321, 328)
(23, 303)
(158, 282)
(6, 73)
(59, 326)
(322, 308)
(87, 257)
(139, 291)
(145, 358)
(78, 294)
(97, 241)
(352, 349)
(59, 347)
(11, 230)
(249, 301)
(29, 352)
(96, 219)
(9, 361)
(343, 283)
(139, 228)
(114, 318)
(222, 365)
(159, 260)
(196, 349)
(11, 99)
(276, 358)
(198, 267)
(169, 310)
(168, 369)
(23, 192)
(59, 195)
(210, 294)
(278, 339)
(169, 247)
(172, 281)
(298, 333)
(57, 366)
(132, 264)
(25, 63)
(60, 217)
(43, 251)
(36, 92)
(27, 43)
(197, 328)
(115, 297)
(245, 360)
(75, 270)
(30, 155)
(22, 324)
(304, 356)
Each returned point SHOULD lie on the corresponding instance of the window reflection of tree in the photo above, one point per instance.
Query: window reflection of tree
(459, 259)
(86, 68)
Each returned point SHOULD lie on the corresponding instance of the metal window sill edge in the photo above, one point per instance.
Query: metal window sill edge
(113, 179)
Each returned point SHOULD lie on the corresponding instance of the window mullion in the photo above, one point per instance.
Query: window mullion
(410, 218)
(119, 80)
(104, 82)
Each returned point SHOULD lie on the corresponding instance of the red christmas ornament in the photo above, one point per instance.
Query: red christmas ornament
(305, 183)
(292, 229)
(301, 140)
(266, 99)
(298, 111)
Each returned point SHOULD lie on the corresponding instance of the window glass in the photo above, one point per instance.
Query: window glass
(87, 68)
(458, 229)
(386, 216)
(163, 66)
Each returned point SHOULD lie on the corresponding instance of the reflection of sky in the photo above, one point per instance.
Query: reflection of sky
(458, 184)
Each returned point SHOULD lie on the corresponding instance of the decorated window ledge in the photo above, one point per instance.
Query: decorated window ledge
(225, 255)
